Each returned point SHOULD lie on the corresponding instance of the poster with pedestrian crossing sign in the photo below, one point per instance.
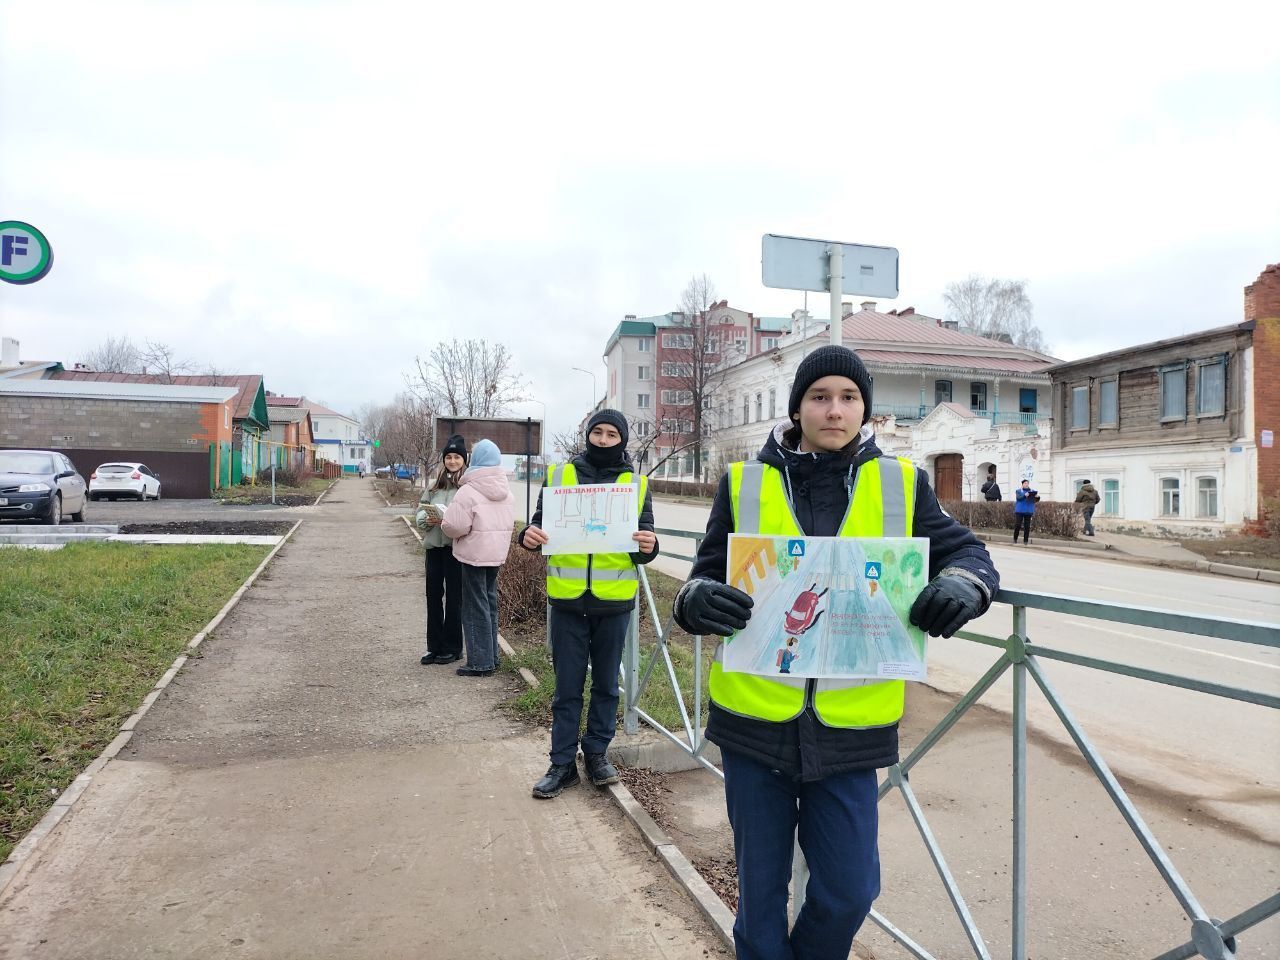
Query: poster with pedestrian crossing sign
(591, 518)
(829, 607)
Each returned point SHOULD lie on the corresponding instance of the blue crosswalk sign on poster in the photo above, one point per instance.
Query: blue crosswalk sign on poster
(872, 571)
(796, 548)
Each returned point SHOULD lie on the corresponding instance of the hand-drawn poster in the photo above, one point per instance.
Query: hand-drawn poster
(591, 518)
(828, 606)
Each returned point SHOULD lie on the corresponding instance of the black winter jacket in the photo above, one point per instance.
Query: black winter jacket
(805, 748)
(588, 605)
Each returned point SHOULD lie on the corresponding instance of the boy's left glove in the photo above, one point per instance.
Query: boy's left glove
(946, 605)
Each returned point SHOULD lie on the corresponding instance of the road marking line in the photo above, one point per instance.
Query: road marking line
(1169, 643)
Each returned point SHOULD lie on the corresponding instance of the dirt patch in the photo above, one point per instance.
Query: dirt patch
(721, 874)
(1261, 553)
(223, 528)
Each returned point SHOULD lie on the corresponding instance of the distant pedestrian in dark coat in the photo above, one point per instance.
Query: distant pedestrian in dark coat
(991, 489)
(1088, 496)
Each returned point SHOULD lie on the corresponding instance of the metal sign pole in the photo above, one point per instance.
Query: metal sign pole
(835, 283)
(528, 468)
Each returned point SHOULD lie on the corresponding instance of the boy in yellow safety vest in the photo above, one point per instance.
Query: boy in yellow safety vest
(591, 597)
(800, 754)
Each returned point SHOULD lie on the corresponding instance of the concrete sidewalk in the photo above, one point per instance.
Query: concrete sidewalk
(306, 789)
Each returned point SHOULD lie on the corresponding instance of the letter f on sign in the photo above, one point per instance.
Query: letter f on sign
(10, 246)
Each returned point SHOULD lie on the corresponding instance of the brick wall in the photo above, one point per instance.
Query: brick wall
(124, 425)
(1262, 305)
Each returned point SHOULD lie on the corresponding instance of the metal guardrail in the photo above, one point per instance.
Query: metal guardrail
(1209, 938)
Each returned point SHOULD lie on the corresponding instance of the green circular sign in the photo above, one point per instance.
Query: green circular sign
(25, 254)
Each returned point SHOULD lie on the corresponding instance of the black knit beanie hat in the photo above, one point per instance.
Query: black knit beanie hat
(612, 417)
(826, 362)
(455, 445)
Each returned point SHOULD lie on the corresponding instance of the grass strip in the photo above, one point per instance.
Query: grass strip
(85, 632)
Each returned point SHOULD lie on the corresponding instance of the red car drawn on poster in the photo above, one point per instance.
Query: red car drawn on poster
(804, 613)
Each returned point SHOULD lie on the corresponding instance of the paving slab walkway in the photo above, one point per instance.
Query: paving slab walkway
(305, 789)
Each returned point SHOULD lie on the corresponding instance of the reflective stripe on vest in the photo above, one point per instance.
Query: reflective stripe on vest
(882, 505)
(611, 576)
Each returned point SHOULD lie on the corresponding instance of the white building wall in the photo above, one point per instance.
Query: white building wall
(1139, 504)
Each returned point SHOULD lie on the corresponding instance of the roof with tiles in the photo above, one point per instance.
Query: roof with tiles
(248, 385)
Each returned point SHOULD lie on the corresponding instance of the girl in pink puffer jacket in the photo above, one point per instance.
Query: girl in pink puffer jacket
(479, 521)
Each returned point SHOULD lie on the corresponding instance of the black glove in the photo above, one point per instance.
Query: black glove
(946, 605)
(708, 606)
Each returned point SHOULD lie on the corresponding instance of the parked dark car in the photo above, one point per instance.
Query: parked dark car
(40, 485)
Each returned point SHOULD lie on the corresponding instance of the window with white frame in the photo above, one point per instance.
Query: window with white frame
(642, 428)
(769, 343)
(978, 397)
(677, 341)
(1111, 497)
(1080, 407)
(1207, 497)
(711, 344)
(676, 425)
(642, 401)
(773, 403)
(645, 344)
(677, 369)
(740, 341)
(1211, 387)
(677, 397)
(746, 408)
(644, 373)
(1173, 393)
(1108, 403)
(942, 391)
(1170, 497)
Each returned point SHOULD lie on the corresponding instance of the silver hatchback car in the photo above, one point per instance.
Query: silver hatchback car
(40, 485)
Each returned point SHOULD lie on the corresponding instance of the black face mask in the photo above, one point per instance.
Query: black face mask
(606, 456)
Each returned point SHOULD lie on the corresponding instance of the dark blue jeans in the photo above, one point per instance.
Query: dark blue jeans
(838, 820)
(575, 640)
(480, 615)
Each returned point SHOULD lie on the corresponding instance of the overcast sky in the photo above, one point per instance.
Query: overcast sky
(318, 191)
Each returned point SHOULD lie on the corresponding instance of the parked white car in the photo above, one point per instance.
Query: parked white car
(113, 480)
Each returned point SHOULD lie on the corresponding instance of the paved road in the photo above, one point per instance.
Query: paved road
(1226, 753)
(305, 789)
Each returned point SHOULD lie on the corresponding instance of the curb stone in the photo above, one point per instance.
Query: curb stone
(21, 854)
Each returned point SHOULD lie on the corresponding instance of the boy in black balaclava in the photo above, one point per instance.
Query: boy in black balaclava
(591, 596)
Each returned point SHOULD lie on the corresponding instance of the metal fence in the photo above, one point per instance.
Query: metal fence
(1209, 937)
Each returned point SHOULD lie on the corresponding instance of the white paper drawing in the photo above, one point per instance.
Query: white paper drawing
(591, 518)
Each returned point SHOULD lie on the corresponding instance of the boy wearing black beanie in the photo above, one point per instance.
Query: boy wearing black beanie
(800, 755)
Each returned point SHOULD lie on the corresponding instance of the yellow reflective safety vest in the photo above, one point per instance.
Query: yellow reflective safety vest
(882, 505)
(609, 576)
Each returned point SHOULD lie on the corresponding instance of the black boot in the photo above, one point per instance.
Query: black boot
(557, 777)
(600, 770)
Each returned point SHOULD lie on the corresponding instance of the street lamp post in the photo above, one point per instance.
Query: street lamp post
(592, 375)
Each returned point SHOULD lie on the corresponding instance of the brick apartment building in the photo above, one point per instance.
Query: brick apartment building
(659, 366)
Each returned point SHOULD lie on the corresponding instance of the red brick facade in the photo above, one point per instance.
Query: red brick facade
(1262, 305)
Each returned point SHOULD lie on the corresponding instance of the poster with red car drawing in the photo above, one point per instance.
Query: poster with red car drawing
(831, 607)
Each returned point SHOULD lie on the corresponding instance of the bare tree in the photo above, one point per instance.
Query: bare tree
(403, 430)
(468, 378)
(695, 370)
(570, 444)
(162, 361)
(114, 355)
(995, 308)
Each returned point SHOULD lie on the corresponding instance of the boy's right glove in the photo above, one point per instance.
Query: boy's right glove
(708, 606)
